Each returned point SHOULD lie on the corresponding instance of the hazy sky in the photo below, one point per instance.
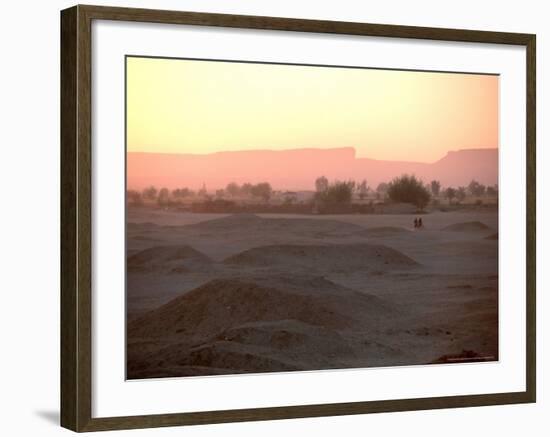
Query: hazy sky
(180, 106)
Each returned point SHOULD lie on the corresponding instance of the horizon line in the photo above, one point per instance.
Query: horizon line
(318, 149)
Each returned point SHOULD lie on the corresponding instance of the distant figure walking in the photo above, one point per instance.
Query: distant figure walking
(415, 223)
(420, 222)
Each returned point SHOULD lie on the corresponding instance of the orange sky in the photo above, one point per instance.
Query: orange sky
(200, 107)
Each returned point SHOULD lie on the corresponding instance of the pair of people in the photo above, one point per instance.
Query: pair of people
(418, 223)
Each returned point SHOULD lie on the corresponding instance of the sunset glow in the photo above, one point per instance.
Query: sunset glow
(200, 107)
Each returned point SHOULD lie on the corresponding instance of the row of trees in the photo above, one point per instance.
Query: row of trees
(474, 188)
(404, 189)
(350, 187)
(333, 194)
(261, 190)
(409, 189)
(164, 196)
(362, 190)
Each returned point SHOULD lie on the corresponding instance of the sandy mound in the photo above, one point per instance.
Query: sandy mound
(234, 220)
(336, 258)
(227, 355)
(262, 347)
(251, 224)
(492, 237)
(282, 334)
(173, 259)
(254, 325)
(467, 227)
(224, 304)
(384, 231)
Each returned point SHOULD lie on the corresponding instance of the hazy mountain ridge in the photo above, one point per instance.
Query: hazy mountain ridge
(297, 169)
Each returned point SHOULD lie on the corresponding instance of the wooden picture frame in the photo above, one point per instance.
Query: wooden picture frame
(76, 218)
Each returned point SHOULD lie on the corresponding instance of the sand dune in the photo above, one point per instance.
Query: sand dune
(337, 257)
(467, 227)
(257, 324)
(175, 259)
(251, 223)
(284, 334)
(228, 222)
(280, 345)
(232, 302)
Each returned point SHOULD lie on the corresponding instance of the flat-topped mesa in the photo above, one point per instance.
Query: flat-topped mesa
(286, 169)
(461, 166)
(297, 169)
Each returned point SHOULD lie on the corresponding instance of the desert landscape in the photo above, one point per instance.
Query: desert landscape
(220, 293)
(287, 217)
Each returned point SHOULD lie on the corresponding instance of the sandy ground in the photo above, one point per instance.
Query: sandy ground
(215, 293)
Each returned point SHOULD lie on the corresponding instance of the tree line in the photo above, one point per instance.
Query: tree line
(328, 195)
(403, 189)
(164, 196)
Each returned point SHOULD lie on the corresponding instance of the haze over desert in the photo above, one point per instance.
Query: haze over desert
(285, 217)
(296, 169)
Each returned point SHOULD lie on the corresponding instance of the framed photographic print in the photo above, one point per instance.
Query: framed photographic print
(268, 218)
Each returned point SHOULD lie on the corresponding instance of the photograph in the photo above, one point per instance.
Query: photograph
(292, 217)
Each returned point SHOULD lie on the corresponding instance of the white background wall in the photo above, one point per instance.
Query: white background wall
(29, 215)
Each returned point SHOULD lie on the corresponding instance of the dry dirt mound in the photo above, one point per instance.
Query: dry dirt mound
(384, 231)
(223, 304)
(260, 347)
(230, 221)
(173, 259)
(284, 334)
(335, 258)
(252, 224)
(467, 227)
(254, 325)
